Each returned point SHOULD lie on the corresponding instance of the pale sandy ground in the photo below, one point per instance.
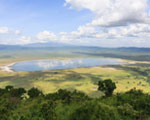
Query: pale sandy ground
(7, 68)
(133, 62)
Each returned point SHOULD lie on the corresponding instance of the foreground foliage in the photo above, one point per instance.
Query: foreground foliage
(107, 86)
(19, 104)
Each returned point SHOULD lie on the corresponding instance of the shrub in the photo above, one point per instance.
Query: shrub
(34, 92)
(107, 86)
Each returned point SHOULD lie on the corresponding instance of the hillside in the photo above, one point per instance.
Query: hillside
(15, 104)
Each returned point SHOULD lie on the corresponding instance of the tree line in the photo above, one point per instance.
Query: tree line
(33, 104)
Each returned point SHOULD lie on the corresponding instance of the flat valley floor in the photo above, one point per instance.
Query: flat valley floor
(126, 77)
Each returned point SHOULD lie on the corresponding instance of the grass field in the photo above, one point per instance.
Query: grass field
(83, 79)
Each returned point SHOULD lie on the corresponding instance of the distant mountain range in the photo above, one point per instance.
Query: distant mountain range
(47, 44)
(33, 46)
(63, 45)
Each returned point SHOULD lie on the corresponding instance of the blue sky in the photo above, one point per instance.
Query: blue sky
(82, 22)
(33, 16)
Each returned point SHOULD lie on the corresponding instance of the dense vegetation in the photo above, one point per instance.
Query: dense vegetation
(19, 104)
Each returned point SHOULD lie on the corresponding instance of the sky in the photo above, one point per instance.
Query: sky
(105, 23)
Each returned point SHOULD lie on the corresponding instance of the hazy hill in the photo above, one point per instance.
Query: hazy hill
(67, 50)
(57, 45)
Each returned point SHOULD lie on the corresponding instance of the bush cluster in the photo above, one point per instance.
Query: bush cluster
(32, 104)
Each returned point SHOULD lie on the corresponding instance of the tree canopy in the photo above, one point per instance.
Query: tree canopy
(107, 86)
(67, 105)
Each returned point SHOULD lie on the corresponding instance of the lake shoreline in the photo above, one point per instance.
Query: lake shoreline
(8, 68)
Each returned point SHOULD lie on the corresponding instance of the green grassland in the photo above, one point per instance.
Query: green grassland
(126, 77)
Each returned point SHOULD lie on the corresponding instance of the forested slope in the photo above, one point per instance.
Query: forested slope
(19, 104)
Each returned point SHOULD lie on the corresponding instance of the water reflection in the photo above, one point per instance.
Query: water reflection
(39, 65)
(47, 64)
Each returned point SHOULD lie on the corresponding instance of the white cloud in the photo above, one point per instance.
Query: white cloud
(136, 30)
(116, 23)
(17, 32)
(114, 12)
(4, 30)
(24, 40)
(119, 22)
(10, 36)
(46, 36)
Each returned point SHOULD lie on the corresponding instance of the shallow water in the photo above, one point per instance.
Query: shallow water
(39, 65)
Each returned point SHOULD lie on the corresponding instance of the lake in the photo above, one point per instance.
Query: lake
(39, 65)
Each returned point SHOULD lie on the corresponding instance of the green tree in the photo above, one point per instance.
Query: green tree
(127, 111)
(107, 86)
(9, 87)
(64, 95)
(95, 110)
(34, 92)
(2, 91)
(48, 111)
(17, 92)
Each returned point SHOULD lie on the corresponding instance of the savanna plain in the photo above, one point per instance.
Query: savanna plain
(135, 74)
